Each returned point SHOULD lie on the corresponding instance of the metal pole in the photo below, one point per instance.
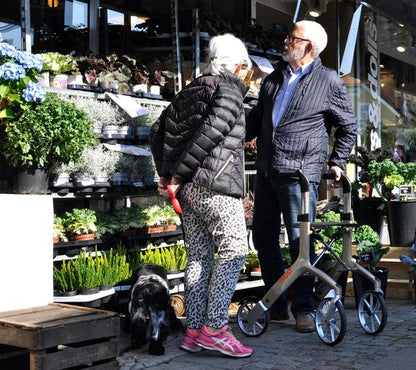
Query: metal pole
(176, 46)
(25, 25)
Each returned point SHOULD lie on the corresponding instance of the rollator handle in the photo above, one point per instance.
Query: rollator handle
(346, 184)
(304, 183)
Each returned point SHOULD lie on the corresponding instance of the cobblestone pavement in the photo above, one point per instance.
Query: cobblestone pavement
(281, 347)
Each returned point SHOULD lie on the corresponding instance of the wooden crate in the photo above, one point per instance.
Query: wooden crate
(60, 336)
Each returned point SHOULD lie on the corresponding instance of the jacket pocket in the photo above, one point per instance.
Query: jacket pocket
(224, 166)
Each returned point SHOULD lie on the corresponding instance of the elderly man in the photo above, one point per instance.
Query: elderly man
(298, 105)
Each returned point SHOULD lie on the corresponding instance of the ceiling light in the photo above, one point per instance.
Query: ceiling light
(401, 48)
(314, 13)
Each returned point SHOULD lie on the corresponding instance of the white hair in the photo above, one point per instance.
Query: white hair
(226, 52)
(314, 32)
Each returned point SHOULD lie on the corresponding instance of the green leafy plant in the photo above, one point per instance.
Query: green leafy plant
(157, 215)
(368, 243)
(52, 132)
(384, 176)
(57, 63)
(80, 221)
(112, 267)
(363, 158)
(252, 261)
(129, 218)
(59, 229)
(106, 224)
(329, 231)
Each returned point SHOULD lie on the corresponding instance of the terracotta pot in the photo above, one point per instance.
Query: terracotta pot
(83, 237)
(56, 240)
(156, 229)
(170, 228)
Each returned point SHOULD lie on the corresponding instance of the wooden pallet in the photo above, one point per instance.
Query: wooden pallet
(60, 336)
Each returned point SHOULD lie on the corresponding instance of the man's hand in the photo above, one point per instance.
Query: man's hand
(337, 171)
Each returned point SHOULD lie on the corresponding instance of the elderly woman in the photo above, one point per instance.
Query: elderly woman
(198, 145)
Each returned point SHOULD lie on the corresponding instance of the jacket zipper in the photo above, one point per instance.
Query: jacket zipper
(224, 166)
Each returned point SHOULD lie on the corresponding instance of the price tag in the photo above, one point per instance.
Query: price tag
(366, 257)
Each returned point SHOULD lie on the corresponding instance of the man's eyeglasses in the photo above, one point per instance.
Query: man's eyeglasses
(291, 38)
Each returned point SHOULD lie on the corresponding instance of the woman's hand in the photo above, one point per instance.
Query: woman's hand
(162, 187)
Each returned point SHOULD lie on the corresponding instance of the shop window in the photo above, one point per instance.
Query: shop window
(385, 87)
(60, 25)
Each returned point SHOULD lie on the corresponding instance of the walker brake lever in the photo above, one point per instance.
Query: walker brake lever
(175, 202)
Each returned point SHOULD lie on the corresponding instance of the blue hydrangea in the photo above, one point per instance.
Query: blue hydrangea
(7, 50)
(28, 61)
(33, 92)
(12, 71)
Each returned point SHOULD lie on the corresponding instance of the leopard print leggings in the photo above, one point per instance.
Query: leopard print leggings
(212, 222)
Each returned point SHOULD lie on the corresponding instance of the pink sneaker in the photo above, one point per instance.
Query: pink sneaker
(224, 341)
(188, 342)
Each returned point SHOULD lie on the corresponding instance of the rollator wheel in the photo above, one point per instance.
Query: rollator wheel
(331, 323)
(251, 329)
(372, 312)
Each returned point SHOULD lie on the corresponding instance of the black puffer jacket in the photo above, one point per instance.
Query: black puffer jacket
(320, 101)
(199, 137)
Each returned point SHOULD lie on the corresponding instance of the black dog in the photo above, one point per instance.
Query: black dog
(151, 314)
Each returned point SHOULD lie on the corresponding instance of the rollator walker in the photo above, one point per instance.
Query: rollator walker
(371, 309)
(253, 316)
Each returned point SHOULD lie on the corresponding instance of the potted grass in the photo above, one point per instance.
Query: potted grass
(65, 279)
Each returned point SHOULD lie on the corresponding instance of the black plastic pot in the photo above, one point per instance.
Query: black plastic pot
(361, 284)
(369, 211)
(401, 221)
(31, 180)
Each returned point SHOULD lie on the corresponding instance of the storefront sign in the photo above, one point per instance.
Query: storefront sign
(374, 113)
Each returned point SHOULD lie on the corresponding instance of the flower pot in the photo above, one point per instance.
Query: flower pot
(401, 216)
(140, 88)
(56, 240)
(90, 291)
(83, 237)
(31, 180)
(61, 179)
(125, 130)
(142, 132)
(361, 284)
(170, 228)
(155, 229)
(110, 131)
(44, 80)
(106, 287)
(369, 211)
(59, 81)
(75, 80)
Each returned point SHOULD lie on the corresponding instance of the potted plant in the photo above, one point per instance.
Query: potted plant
(52, 132)
(101, 163)
(129, 219)
(107, 225)
(59, 234)
(100, 112)
(80, 223)
(65, 279)
(368, 209)
(369, 252)
(86, 273)
(252, 263)
(57, 65)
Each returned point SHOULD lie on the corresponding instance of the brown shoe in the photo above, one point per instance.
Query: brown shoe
(305, 323)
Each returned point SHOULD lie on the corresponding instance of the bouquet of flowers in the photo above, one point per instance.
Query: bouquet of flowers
(19, 88)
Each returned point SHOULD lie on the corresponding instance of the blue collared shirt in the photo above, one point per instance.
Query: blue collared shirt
(286, 92)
